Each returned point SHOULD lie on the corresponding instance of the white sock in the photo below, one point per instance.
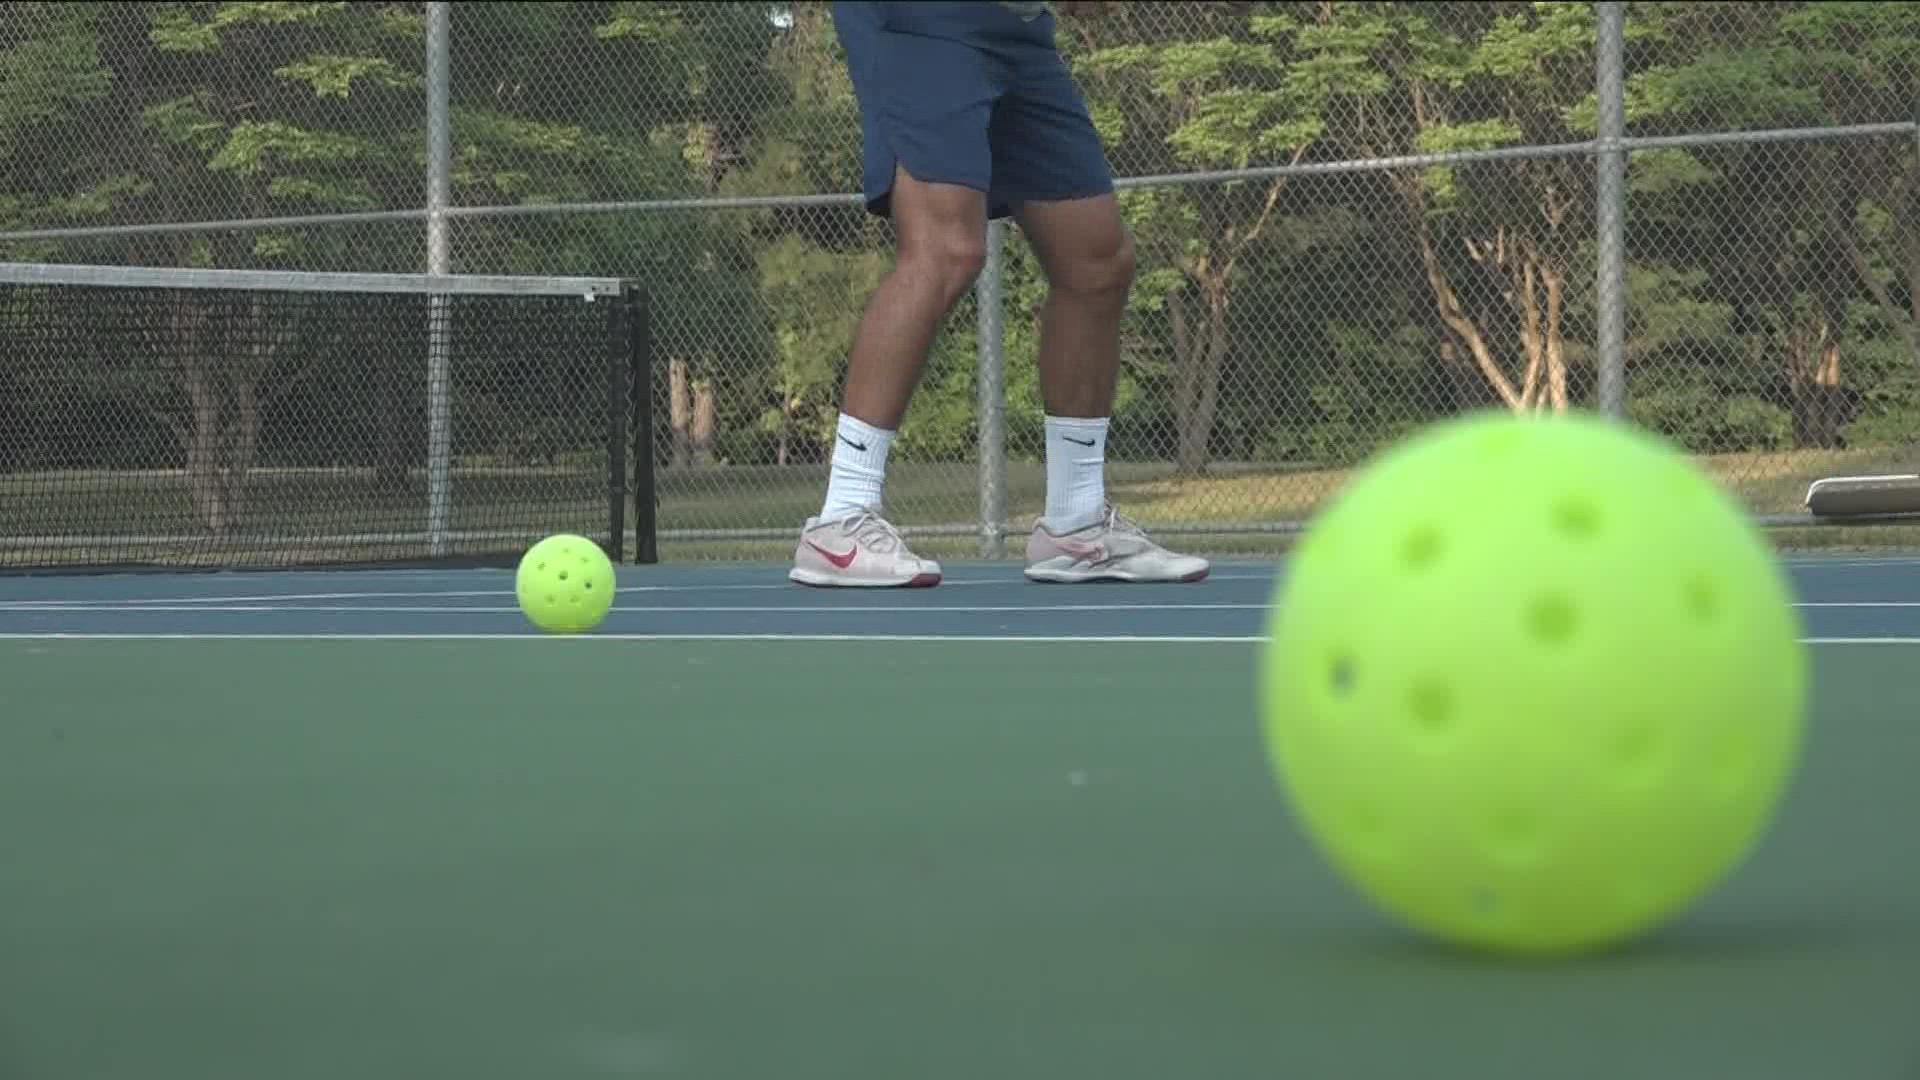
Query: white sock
(1076, 472)
(859, 469)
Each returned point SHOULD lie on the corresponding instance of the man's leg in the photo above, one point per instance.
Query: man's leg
(941, 231)
(1087, 256)
(925, 105)
(1050, 163)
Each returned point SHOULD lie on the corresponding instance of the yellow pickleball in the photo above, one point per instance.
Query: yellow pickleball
(1533, 685)
(565, 584)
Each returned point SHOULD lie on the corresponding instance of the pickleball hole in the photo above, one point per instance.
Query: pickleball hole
(1576, 519)
(1635, 752)
(1633, 747)
(1702, 599)
(1340, 675)
(1512, 833)
(1431, 705)
(1367, 831)
(1550, 620)
(1421, 548)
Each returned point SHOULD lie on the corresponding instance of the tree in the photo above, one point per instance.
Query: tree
(1178, 87)
(168, 112)
(1794, 230)
(1497, 243)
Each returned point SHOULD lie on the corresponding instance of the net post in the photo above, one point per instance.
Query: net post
(1610, 161)
(639, 347)
(619, 395)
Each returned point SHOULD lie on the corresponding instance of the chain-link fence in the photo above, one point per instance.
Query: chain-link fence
(1352, 219)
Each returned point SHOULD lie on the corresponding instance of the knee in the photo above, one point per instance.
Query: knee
(949, 259)
(1103, 270)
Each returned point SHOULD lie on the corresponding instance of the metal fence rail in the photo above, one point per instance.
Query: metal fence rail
(1696, 216)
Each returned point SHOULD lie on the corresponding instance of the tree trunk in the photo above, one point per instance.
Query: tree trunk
(266, 335)
(1186, 396)
(1534, 288)
(389, 434)
(243, 443)
(705, 422)
(790, 410)
(1910, 248)
(203, 446)
(1466, 332)
(202, 432)
(1199, 354)
(1813, 371)
(1898, 197)
(1556, 283)
(1909, 320)
(679, 411)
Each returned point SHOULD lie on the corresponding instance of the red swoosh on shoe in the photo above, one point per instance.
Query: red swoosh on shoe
(1088, 553)
(842, 560)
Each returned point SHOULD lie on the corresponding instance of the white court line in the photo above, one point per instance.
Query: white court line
(1812, 562)
(277, 601)
(271, 608)
(1859, 604)
(781, 585)
(998, 639)
(1060, 639)
(422, 594)
(816, 609)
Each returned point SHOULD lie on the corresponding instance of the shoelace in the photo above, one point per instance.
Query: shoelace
(873, 531)
(1119, 522)
(1123, 526)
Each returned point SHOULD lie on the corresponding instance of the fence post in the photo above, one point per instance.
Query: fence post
(990, 385)
(439, 185)
(1611, 189)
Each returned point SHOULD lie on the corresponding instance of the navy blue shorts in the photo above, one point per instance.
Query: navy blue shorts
(969, 94)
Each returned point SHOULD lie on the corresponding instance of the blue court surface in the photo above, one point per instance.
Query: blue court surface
(1864, 600)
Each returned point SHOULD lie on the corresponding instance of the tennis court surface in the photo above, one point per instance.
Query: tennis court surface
(366, 825)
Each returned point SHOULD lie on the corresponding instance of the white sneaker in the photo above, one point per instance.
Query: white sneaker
(1111, 549)
(861, 551)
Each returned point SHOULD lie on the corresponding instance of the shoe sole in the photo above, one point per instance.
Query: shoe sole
(1083, 577)
(815, 580)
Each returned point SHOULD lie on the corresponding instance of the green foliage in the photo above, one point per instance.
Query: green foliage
(805, 287)
(1316, 304)
(1702, 417)
(51, 73)
(334, 76)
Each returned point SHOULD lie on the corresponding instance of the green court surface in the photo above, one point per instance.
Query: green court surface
(324, 854)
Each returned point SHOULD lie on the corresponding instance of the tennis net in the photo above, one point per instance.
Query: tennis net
(254, 419)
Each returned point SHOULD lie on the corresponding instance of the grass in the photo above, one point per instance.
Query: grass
(1229, 497)
(1253, 509)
